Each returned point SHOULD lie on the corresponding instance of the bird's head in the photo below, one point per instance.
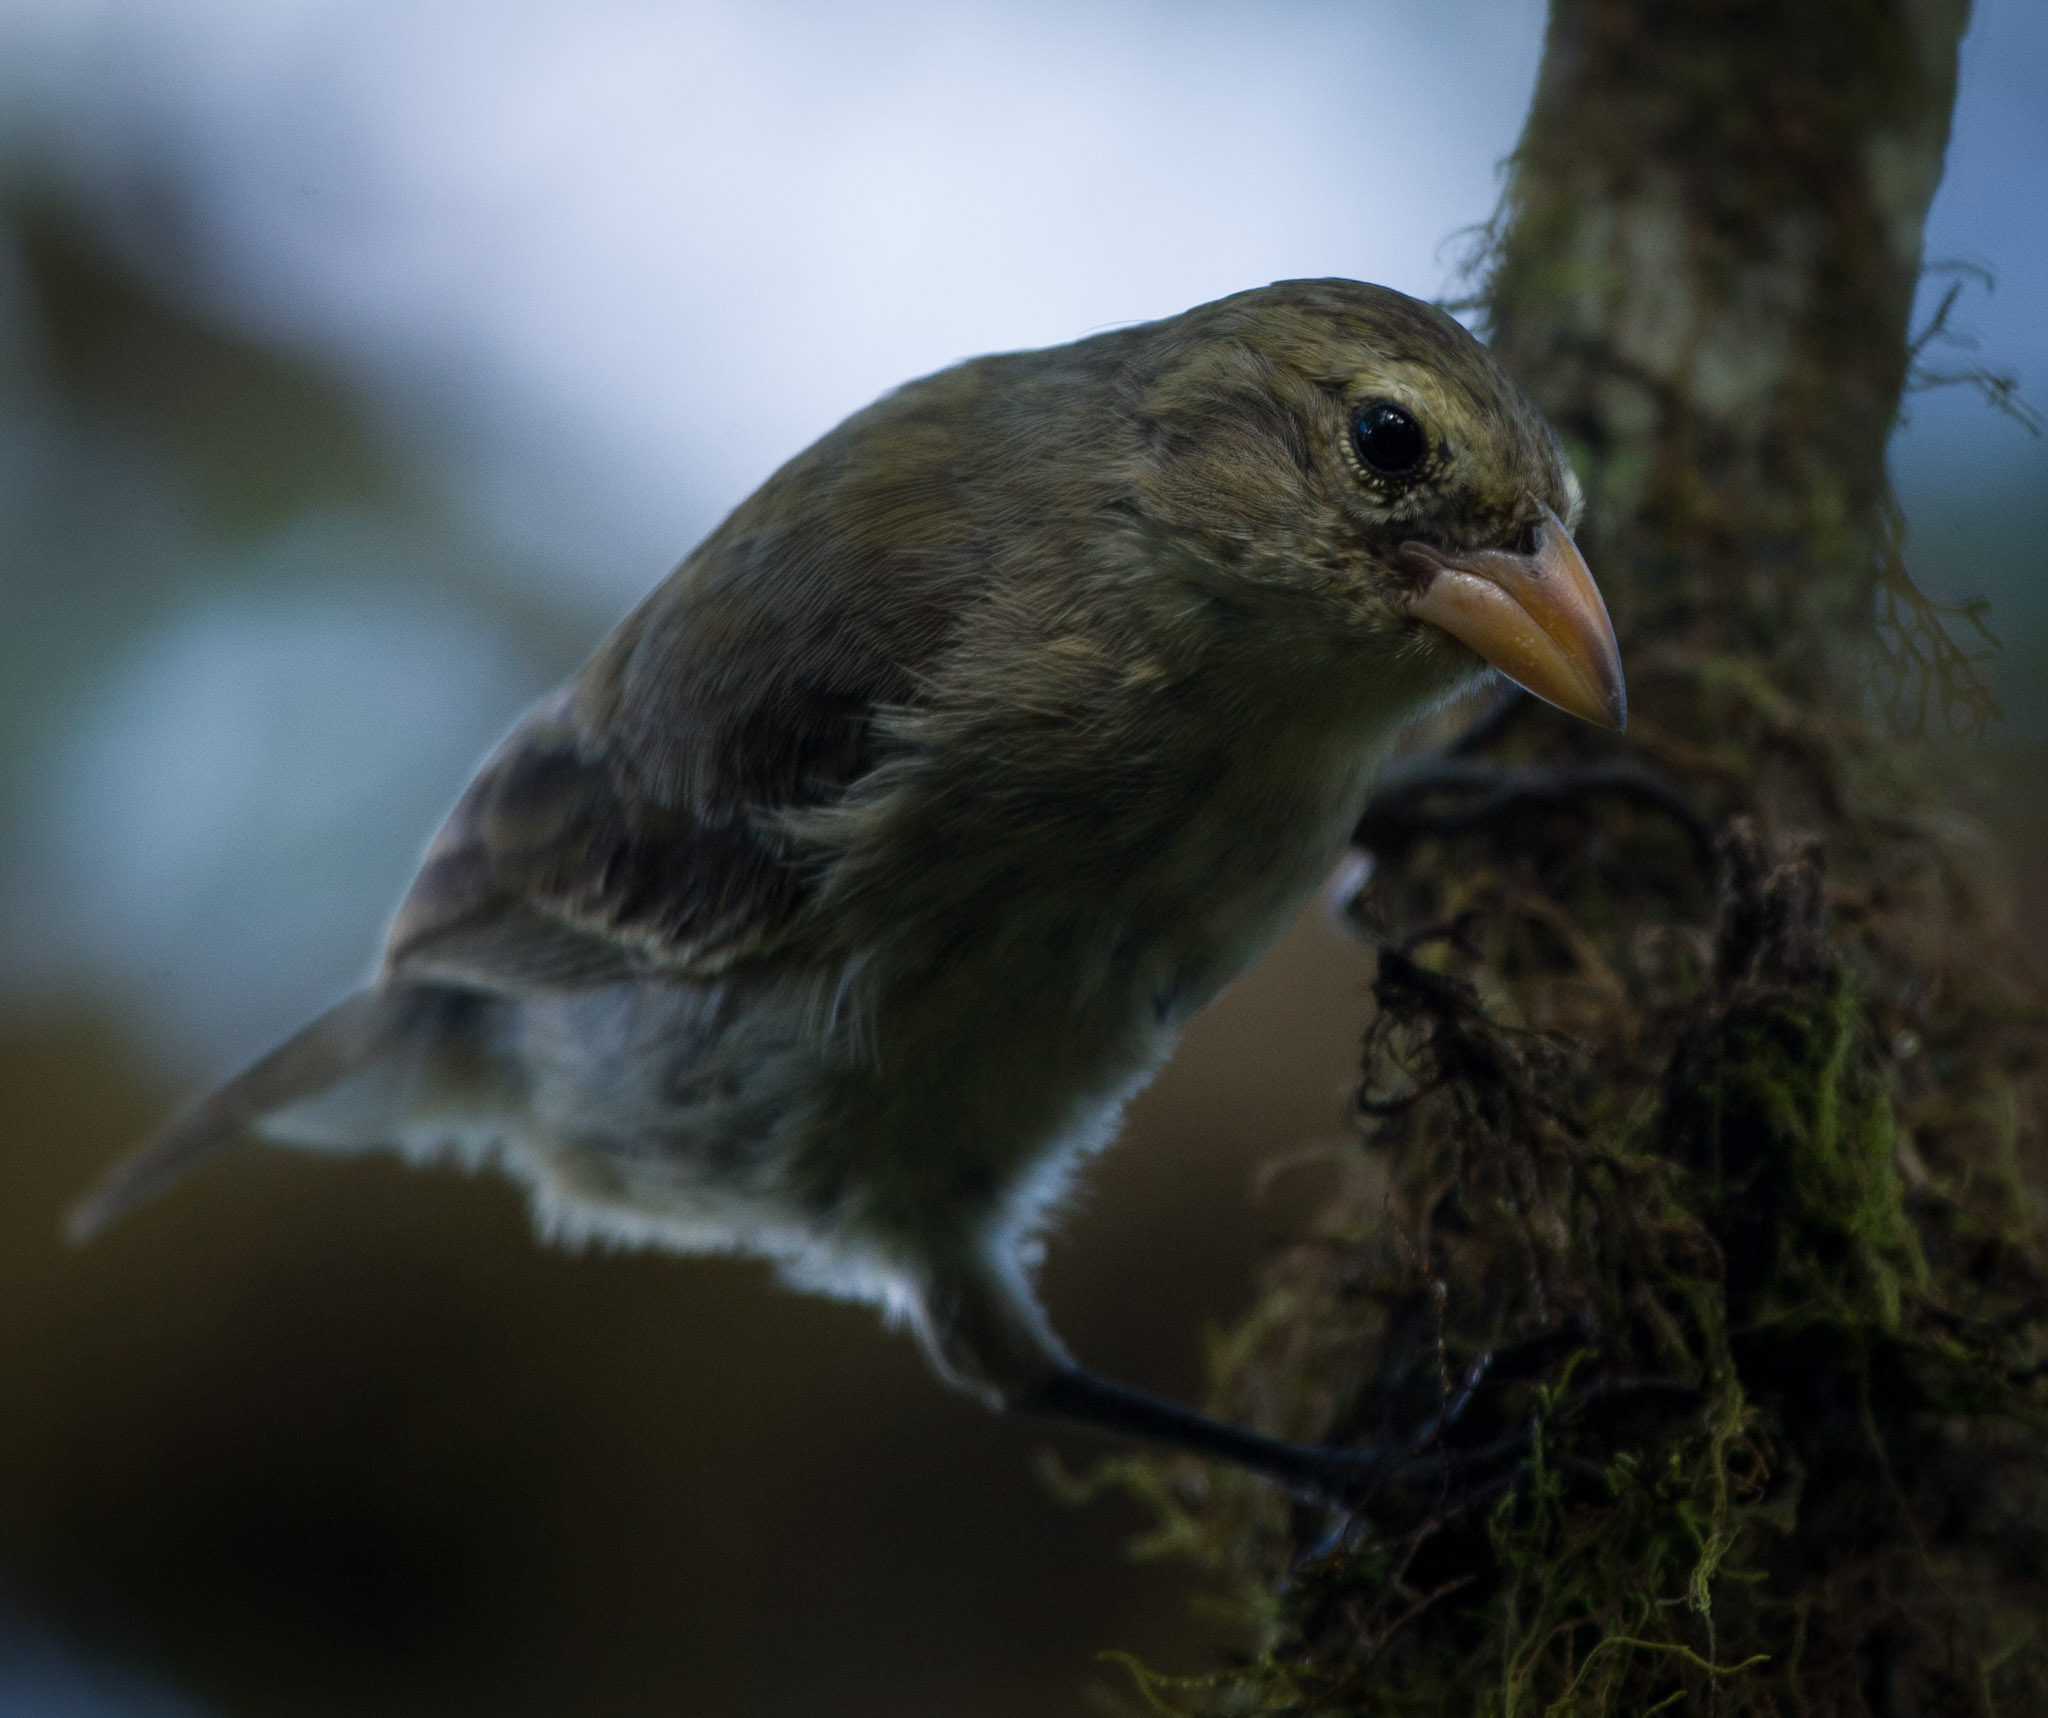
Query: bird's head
(1351, 452)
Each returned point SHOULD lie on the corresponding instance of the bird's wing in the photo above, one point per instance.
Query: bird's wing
(635, 823)
(631, 824)
(556, 869)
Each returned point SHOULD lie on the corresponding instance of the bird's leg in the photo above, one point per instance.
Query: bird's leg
(1452, 795)
(984, 1332)
(1329, 1473)
(1424, 1474)
(1454, 791)
(1425, 1470)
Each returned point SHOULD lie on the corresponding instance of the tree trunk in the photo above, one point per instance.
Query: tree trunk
(1690, 1217)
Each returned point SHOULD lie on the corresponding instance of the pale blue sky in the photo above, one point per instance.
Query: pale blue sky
(638, 254)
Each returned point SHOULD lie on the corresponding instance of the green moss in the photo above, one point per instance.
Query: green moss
(1749, 1234)
(1795, 1134)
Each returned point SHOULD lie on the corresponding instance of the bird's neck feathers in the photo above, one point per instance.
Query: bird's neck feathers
(1287, 653)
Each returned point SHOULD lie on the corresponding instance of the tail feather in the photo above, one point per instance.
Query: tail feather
(342, 1039)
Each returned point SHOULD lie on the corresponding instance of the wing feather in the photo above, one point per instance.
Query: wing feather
(554, 870)
(634, 823)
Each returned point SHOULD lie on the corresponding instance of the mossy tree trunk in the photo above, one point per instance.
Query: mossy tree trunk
(1690, 1217)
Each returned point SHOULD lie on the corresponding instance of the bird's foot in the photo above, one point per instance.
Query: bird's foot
(1451, 794)
(1441, 1471)
(1468, 1453)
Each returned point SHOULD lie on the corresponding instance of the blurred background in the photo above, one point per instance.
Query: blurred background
(360, 363)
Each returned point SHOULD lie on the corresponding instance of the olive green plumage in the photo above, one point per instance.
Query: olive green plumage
(840, 901)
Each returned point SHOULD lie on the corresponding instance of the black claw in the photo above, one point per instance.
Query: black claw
(1434, 1475)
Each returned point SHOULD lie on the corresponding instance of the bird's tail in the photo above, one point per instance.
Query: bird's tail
(349, 1036)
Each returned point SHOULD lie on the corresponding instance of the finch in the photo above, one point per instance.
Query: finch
(834, 910)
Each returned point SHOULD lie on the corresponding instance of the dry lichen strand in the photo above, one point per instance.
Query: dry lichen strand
(1786, 1160)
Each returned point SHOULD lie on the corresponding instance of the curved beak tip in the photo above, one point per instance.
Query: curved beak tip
(1537, 618)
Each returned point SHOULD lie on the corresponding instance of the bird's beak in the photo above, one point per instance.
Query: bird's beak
(1538, 618)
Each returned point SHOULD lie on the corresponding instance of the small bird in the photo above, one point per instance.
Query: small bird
(834, 910)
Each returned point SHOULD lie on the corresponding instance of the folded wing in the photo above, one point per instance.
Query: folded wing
(559, 869)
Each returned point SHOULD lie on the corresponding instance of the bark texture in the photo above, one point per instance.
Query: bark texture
(1693, 1202)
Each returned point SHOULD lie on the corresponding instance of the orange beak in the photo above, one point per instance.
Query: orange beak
(1538, 618)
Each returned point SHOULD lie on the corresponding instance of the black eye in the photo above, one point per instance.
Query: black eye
(1389, 441)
